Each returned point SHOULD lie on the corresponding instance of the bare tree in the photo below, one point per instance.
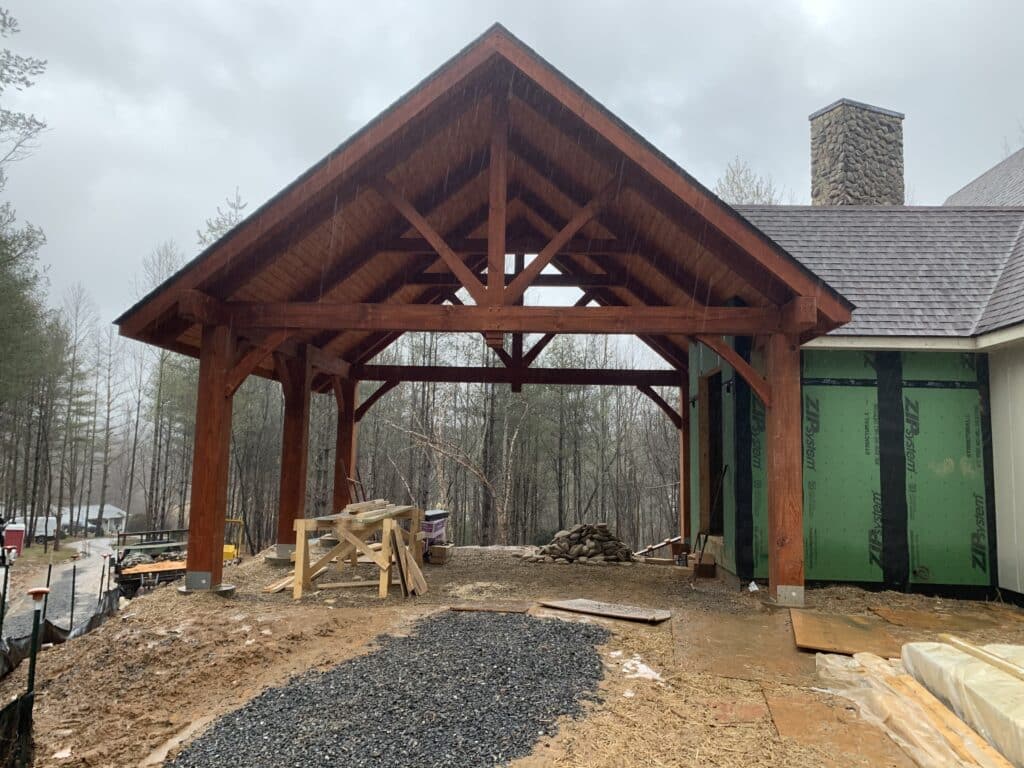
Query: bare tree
(740, 185)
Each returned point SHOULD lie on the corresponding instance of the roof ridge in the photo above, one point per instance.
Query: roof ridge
(1018, 241)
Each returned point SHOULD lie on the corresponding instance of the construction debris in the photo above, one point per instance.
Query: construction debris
(610, 610)
(584, 544)
(914, 718)
(838, 633)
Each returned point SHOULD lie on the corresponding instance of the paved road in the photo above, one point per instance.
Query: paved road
(88, 571)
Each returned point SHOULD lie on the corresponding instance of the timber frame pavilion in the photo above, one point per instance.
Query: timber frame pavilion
(496, 153)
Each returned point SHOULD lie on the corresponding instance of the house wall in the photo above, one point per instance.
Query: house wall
(1006, 372)
(897, 483)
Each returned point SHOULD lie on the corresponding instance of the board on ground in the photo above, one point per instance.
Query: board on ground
(937, 621)
(610, 610)
(518, 606)
(841, 633)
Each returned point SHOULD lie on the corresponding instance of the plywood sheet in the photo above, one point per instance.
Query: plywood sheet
(937, 621)
(161, 567)
(610, 610)
(841, 633)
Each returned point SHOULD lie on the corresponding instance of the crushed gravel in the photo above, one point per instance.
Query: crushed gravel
(465, 689)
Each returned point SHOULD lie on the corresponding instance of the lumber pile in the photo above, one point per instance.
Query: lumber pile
(930, 733)
(398, 554)
(583, 544)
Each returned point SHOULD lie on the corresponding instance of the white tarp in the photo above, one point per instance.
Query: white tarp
(988, 699)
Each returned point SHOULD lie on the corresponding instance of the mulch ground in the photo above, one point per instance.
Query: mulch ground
(704, 688)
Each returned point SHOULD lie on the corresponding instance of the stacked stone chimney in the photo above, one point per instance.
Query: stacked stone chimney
(856, 155)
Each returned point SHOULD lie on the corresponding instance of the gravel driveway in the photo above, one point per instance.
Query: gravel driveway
(464, 689)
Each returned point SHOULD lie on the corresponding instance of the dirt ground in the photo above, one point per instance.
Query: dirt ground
(720, 684)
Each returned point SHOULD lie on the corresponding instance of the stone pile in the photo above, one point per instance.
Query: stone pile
(584, 544)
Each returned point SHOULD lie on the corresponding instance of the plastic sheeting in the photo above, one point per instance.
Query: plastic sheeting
(879, 689)
(988, 699)
(14, 650)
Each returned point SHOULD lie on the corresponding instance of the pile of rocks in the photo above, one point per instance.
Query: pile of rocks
(585, 544)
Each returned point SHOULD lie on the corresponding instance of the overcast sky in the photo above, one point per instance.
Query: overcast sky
(158, 110)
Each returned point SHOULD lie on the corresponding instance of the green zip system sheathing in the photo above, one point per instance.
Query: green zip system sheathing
(896, 472)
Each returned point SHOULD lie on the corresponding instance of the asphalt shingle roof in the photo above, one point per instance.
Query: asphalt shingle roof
(1002, 184)
(910, 271)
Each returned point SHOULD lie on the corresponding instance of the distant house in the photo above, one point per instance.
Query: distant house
(89, 515)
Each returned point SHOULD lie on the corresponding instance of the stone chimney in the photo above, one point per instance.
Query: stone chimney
(856, 155)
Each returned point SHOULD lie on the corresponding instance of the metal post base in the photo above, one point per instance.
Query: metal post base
(199, 581)
(282, 555)
(790, 597)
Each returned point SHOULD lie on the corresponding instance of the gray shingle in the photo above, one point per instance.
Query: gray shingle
(1002, 184)
(910, 271)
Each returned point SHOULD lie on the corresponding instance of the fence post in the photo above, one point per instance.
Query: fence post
(74, 578)
(38, 595)
(46, 595)
(3, 600)
(103, 574)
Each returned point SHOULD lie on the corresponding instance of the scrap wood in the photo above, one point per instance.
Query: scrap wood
(936, 621)
(610, 610)
(993, 660)
(655, 547)
(841, 633)
(283, 584)
(964, 741)
(517, 606)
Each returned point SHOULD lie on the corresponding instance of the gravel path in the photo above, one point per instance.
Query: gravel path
(464, 689)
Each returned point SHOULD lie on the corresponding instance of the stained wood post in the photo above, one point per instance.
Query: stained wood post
(345, 445)
(684, 459)
(294, 448)
(208, 501)
(785, 471)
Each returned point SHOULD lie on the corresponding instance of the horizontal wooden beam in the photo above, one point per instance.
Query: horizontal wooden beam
(800, 314)
(475, 246)
(456, 375)
(736, 321)
(541, 281)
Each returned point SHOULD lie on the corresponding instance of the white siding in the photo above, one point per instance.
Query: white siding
(1006, 370)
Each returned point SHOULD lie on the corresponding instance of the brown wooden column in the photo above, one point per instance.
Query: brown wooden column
(296, 377)
(785, 476)
(345, 445)
(209, 497)
(684, 459)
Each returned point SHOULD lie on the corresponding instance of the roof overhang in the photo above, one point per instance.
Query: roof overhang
(986, 342)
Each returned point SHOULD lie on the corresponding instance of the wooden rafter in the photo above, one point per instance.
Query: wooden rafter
(756, 381)
(574, 225)
(377, 394)
(453, 261)
(252, 358)
(716, 218)
(528, 358)
(659, 401)
(497, 195)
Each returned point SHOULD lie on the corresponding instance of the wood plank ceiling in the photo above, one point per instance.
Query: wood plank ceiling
(333, 237)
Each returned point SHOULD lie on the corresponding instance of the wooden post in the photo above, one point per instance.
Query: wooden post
(295, 385)
(785, 475)
(684, 459)
(208, 502)
(345, 446)
(497, 207)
